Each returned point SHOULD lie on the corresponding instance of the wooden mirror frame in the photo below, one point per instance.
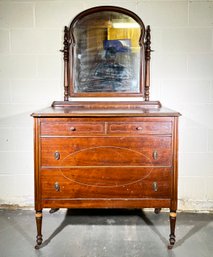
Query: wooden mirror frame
(145, 50)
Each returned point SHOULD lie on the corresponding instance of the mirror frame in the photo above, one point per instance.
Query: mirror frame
(69, 44)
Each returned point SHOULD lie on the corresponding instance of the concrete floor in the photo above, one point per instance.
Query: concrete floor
(105, 233)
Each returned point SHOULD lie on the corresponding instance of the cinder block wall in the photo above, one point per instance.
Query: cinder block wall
(31, 77)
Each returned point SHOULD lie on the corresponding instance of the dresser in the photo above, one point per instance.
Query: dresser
(105, 154)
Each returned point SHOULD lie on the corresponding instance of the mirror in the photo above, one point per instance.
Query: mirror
(107, 53)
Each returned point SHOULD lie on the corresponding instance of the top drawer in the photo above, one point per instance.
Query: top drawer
(71, 128)
(143, 127)
(106, 126)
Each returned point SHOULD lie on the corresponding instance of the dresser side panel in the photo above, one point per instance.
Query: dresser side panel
(37, 183)
(175, 166)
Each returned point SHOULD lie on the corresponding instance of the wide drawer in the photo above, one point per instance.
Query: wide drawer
(71, 128)
(108, 183)
(107, 151)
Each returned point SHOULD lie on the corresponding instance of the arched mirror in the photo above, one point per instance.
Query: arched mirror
(105, 54)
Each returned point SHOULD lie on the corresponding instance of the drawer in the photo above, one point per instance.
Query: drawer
(71, 128)
(107, 151)
(98, 183)
(141, 127)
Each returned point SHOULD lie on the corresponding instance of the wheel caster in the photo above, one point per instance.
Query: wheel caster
(37, 247)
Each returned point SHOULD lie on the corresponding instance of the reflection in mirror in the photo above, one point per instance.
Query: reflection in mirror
(106, 53)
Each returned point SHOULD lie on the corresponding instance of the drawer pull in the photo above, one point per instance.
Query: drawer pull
(155, 186)
(155, 155)
(72, 129)
(57, 186)
(139, 128)
(57, 155)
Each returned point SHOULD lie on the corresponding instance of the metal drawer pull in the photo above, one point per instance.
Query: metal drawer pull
(57, 155)
(73, 129)
(57, 186)
(155, 155)
(139, 128)
(155, 186)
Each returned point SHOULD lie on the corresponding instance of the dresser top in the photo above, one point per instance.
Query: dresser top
(94, 109)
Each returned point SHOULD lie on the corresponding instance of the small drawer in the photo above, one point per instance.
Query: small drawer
(146, 127)
(71, 128)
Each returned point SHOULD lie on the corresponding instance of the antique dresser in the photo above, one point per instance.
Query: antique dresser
(110, 153)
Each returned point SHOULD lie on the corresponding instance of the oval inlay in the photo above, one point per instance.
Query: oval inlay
(90, 166)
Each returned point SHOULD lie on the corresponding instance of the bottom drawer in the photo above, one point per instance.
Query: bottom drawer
(106, 182)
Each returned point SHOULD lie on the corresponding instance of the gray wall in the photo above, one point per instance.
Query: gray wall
(31, 77)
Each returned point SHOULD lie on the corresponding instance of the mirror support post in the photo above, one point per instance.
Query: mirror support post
(147, 65)
(66, 62)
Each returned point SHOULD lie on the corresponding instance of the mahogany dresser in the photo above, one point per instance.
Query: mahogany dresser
(106, 154)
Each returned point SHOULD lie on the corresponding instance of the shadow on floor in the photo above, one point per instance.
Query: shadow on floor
(119, 217)
(103, 217)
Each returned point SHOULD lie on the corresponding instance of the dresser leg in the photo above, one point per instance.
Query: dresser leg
(53, 210)
(172, 217)
(39, 239)
(157, 210)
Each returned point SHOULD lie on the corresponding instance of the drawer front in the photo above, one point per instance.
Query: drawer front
(107, 126)
(99, 183)
(107, 151)
(71, 128)
(137, 128)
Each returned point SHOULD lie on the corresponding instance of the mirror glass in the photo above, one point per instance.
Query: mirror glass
(106, 53)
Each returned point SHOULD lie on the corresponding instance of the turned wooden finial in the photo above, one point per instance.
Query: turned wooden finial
(147, 59)
(148, 44)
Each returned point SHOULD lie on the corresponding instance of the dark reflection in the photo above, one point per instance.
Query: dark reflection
(106, 53)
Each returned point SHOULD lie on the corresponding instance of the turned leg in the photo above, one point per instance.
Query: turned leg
(172, 217)
(157, 210)
(38, 216)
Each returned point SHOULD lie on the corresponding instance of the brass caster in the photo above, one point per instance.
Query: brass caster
(37, 247)
(171, 241)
